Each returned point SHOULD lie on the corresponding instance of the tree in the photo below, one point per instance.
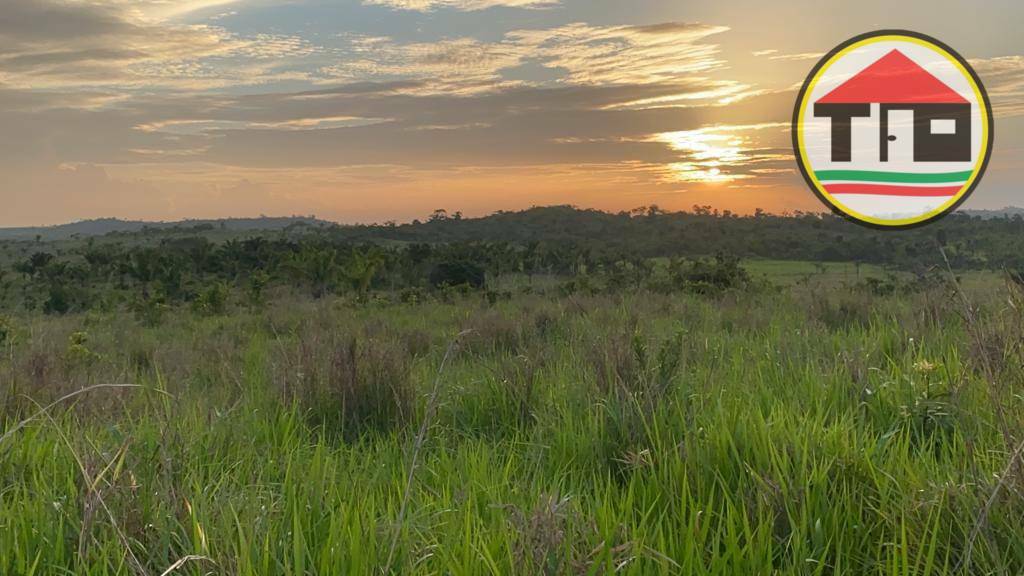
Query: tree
(35, 264)
(258, 281)
(360, 268)
(318, 266)
(457, 273)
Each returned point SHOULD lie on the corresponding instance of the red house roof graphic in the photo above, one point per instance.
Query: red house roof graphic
(893, 79)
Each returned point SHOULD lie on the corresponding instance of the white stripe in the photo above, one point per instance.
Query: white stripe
(889, 207)
(872, 182)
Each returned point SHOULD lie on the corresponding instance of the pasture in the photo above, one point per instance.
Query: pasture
(811, 427)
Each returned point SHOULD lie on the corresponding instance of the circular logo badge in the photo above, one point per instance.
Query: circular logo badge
(892, 129)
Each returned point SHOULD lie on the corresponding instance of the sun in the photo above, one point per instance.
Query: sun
(715, 154)
(709, 151)
(706, 173)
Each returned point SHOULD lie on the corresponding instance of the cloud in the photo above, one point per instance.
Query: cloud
(623, 54)
(464, 5)
(205, 126)
(576, 54)
(725, 153)
(798, 56)
(774, 54)
(177, 155)
(123, 106)
(19, 100)
(462, 65)
(344, 126)
(161, 10)
(51, 44)
(371, 123)
(1004, 80)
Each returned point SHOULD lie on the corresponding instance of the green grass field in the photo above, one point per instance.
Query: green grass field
(791, 272)
(794, 431)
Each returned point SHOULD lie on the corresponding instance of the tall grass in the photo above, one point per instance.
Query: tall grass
(772, 432)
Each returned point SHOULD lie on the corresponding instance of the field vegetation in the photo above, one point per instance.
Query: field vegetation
(302, 403)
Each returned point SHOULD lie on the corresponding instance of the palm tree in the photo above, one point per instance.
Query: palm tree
(361, 267)
(317, 266)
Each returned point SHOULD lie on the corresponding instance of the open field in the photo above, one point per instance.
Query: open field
(793, 432)
(577, 393)
(511, 288)
(788, 272)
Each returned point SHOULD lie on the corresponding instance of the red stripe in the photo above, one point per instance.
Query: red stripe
(890, 190)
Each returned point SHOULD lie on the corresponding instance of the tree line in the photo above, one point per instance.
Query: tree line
(153, 270)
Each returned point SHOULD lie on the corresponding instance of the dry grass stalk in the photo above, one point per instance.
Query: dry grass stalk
(428, 417)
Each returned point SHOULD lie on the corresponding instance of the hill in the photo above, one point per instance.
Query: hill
(103, 226)
(968, 241)
(1008, 212)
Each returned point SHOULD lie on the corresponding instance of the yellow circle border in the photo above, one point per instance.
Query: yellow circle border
(888, 36)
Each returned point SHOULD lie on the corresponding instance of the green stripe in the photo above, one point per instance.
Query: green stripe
(872, 176)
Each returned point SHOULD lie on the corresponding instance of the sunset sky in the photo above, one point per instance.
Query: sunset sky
(376, 110)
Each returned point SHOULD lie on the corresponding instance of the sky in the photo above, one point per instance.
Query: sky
(385, 110)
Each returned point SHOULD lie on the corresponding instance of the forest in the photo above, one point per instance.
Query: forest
(203, 265)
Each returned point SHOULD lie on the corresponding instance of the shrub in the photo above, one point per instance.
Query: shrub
(149, 309)
(412, 295)
(78, 352)
(258, 281)
(892, 284)
(880, 286)
(702, 276)
(931, 416)
(213, 300)
(493, 296)
(457, 273)
(58, 300)
(710, 276)
(582, 284)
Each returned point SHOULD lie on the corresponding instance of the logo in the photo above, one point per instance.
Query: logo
(892, 129)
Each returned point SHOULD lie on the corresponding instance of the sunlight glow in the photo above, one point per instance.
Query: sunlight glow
(708, 149)
(712, 154)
